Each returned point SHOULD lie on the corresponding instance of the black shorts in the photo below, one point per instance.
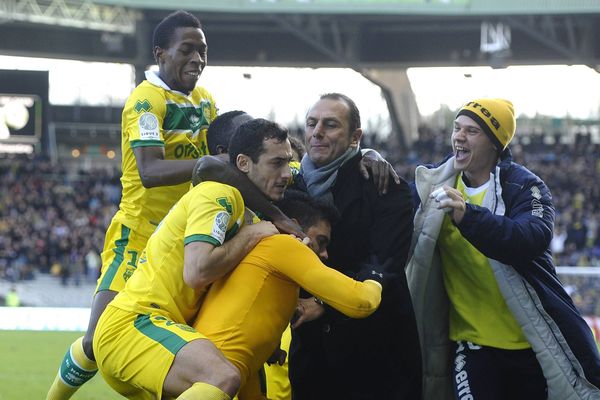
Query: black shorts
(488, 373)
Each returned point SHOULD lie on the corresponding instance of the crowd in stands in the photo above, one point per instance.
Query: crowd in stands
(53, 220)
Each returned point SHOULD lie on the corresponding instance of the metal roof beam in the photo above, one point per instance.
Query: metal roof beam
(69, 13)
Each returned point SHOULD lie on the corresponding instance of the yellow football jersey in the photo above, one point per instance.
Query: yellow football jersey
(155, 115)
(478, 312)
(245, 312)
(211, 212)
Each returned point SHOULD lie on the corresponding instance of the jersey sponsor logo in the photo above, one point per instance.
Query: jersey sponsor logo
(168, 322)
(220, 223)
(142, 105)
(148, 125)
(187, 151)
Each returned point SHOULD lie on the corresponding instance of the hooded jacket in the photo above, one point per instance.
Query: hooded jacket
(513, 229)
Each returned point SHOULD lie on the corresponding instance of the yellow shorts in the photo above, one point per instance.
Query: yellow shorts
(122, 248)
(278, 383)
(134, 352)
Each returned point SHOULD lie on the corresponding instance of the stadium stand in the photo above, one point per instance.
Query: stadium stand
(52, 220)
(52, 224)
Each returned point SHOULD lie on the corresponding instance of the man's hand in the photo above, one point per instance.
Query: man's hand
(379, 168)
(307, 310)
(260, 230)
(375, 271)
(451, 201)
(286, 225)
(278, 357)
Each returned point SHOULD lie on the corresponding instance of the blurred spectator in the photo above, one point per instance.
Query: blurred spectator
(12, 297)
(92, 262)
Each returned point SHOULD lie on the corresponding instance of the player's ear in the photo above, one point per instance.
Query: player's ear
(221, 149)
(355, 137)
(243, 162)
(158, 54)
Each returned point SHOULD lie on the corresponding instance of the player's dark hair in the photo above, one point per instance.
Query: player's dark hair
(353, 115)
(297, 146)
(221, 129)
(249, 137)
(306, 210)
(165, 30)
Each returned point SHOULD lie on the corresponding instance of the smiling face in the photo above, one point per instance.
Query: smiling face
(327, 131)
(474, 153)
(181, 64)
(271, 172)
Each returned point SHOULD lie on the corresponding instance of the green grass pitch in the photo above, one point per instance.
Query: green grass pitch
(29, 361)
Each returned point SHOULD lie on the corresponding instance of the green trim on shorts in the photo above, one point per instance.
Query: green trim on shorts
(145, 143)
(112, 269)
(166, 338)
(201, 238)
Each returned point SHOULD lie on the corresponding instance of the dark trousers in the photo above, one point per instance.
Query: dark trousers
(487, 373)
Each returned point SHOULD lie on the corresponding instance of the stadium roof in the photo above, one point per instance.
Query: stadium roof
(314, 33)
(379, 7)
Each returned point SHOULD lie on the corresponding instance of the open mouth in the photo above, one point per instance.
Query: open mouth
(461, 153)
(193, 74)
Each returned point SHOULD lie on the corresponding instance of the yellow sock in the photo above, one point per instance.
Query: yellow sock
(75, 370)
(204, 391)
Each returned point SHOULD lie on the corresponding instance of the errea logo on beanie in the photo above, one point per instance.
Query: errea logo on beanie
(495, 116)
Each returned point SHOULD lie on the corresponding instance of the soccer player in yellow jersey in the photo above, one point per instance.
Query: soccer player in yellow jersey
(245, 313)
(143, 343)
(164, 125)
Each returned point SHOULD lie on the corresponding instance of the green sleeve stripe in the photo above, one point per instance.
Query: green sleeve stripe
(231, 233)
(119, 250)
(146, 143)
(201, 238)
(169, 340)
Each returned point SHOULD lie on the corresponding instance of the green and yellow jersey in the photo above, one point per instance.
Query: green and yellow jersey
(210, 212)
(155, 115)
(478, 312)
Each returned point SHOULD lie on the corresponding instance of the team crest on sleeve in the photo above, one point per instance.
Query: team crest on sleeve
(537, 208)
(219, 228)
(142, 105)
(148, 125)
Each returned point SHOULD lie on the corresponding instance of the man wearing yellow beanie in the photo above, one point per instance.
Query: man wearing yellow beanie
(494, 320)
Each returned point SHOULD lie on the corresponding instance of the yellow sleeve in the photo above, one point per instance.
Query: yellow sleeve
(143, 117)
(214, 213)
(352, 298)
(251, 390)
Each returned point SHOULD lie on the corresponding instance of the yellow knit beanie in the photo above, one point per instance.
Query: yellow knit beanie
(495, 116)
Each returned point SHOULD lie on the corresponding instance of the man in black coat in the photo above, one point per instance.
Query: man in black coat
(331, 356)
